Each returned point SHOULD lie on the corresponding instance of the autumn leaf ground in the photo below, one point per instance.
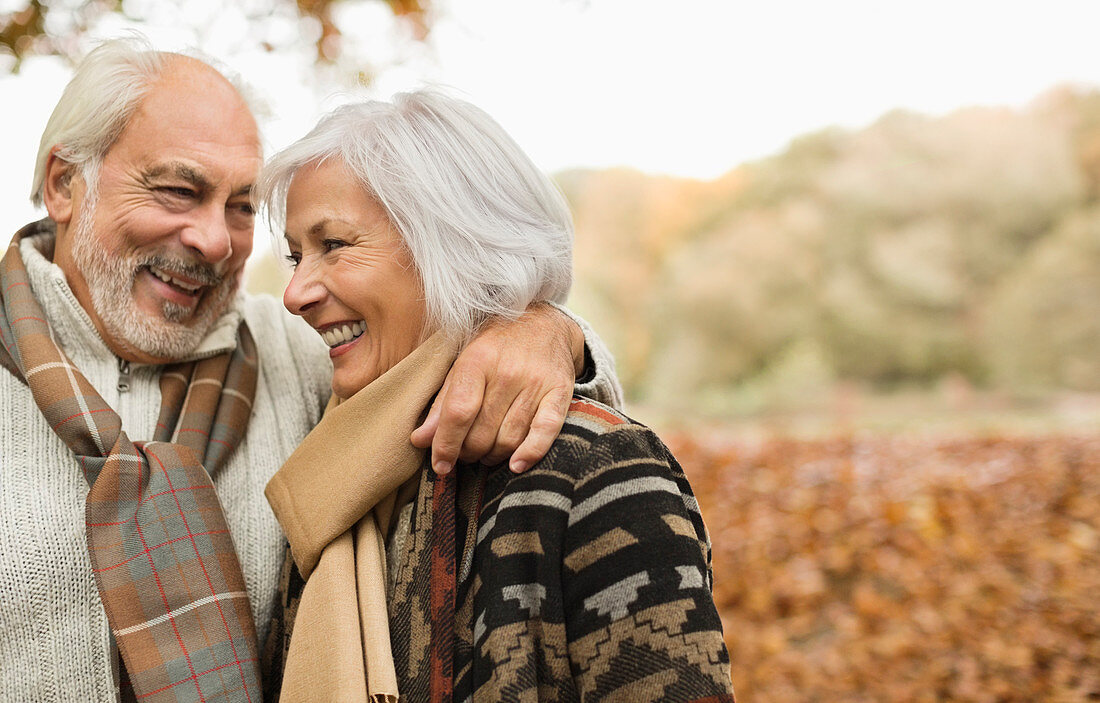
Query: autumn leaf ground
(896, 568)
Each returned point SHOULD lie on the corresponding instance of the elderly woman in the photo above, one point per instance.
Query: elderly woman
(411, 225)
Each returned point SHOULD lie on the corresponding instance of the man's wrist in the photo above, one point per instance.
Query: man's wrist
(576, 347)
(550, 312)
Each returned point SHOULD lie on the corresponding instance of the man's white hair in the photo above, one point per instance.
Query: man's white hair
(489, 233)
(106, 89)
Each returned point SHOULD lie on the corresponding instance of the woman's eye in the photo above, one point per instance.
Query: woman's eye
(293, 260)
(331, 244)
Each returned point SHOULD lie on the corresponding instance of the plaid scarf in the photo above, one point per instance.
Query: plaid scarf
(164, 561)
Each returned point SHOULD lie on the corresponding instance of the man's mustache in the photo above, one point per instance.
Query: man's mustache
(198, 271)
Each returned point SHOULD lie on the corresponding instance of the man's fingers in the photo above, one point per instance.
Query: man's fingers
(513, 430)
(544, 430)
(503, 363)
(481, 439)
(422, 436)
(458, 409)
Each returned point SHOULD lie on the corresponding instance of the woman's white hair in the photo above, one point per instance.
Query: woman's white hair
(105, 91)
(489, 233)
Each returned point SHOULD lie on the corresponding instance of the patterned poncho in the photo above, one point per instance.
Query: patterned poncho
(586, 578)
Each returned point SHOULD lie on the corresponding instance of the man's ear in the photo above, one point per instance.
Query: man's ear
(58, 187)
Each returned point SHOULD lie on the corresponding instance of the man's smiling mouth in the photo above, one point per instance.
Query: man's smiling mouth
(185, 286)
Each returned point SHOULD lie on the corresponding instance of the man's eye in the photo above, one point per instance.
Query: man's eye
(245, 208)
(178, 192)
(330, 244)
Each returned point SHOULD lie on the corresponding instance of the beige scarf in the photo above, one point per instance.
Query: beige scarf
(334, 498)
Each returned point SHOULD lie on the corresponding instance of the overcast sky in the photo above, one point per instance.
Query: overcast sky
(689, 89)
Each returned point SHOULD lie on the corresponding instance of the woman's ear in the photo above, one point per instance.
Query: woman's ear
(58, 186)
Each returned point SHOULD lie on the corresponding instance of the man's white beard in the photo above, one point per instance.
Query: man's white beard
(178, 330)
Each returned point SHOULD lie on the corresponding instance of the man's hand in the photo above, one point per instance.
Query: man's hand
(507, 393)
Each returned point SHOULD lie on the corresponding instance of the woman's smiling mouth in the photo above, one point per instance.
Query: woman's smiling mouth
(342, 333)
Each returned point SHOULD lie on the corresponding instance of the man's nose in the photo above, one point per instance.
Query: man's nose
(209, 236)
(305, 289)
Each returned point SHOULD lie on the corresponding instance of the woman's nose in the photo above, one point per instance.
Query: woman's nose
(304, 290)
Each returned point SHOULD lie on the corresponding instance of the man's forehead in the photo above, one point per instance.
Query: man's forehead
(193, 124)
(189, 104)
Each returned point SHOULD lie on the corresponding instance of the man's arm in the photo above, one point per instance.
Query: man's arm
(596, 377)
(509, 390)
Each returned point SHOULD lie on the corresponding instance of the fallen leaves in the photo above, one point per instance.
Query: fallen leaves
(905, 569)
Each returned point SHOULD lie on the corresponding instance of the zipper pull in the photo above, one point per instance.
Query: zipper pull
(123, 376)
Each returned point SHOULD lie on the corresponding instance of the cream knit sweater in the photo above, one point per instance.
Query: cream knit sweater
(54, 640)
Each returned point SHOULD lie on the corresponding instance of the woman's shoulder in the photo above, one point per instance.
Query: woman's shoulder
(602, 469)
(591, 418)
(590, 422)
(596, 437)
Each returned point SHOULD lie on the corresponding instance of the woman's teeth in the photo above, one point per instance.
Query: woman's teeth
(342, 334)
(167, 278)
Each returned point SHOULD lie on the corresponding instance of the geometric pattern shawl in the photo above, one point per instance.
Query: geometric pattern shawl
(164, 561)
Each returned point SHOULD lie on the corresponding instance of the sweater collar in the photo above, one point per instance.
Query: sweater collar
(71, 325)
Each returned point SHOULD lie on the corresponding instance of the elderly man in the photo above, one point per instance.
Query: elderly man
(121, 322)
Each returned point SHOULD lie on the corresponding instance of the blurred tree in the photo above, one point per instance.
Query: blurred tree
(643, 219)
(56, 27)
(919, 248)
(1042, 325)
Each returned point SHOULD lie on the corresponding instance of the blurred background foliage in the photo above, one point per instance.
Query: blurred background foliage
(963, 248)
(958, 255)
(57, 27)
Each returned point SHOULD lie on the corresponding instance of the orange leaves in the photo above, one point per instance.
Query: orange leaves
(905, 569)
(413, 12)
(27, 28)
(20, 29)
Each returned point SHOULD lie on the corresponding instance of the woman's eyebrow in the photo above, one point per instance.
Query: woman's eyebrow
(322, 226)
(325, 223)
